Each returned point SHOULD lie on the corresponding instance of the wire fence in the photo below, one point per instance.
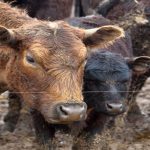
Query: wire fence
(82, 92)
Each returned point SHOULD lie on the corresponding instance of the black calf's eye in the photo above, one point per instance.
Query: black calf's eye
(125, 81)
(30, 59)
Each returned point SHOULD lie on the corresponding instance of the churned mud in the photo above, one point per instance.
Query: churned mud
(135, 135)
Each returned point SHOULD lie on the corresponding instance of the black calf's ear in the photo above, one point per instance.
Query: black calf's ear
(7, 36)
(139, 65)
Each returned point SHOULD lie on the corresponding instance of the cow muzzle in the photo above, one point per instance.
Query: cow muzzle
(114, 108)
(70, 112)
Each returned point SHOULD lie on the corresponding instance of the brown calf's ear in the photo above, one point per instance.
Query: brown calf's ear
(140, 65)
(102, 36)
(7, 36)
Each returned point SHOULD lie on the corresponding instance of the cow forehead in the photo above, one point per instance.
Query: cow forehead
(50, 40)
(57, 52)
(111, 64)
(107, 66)
(49, 32)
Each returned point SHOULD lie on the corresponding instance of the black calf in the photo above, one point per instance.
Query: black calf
(107, 81)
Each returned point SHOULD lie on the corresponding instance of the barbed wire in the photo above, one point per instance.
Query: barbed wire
(3, 95)
(82, 92)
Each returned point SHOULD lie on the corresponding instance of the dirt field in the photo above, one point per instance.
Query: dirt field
(23, 137)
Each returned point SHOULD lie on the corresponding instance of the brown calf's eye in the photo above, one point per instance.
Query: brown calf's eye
(30, 59)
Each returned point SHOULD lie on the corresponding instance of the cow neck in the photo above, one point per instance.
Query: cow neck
(97, 122)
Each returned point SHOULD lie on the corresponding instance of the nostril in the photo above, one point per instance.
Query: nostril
(109, 106)
(114, 107)
(84, 107)
(71, 111)
(63, 110)
(121, 106)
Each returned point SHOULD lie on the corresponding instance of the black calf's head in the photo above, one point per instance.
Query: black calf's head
(107, 80)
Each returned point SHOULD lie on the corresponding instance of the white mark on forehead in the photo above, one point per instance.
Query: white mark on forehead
(54, 27)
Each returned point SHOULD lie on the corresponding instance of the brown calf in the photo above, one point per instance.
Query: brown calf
(44, 62)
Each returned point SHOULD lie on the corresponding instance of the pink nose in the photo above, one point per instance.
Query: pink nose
(114, 107)
(71, 111)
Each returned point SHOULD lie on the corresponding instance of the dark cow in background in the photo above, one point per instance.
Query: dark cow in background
(124, 8)
(90, 7)
(47, 9)
(61, 9)
(56, 9)
(107, 8)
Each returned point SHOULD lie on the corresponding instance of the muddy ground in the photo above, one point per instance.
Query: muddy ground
(23, 137)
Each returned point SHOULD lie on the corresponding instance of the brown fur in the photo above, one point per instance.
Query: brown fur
(11, 17)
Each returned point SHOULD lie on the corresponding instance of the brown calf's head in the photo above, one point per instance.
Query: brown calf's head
(47, 63)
